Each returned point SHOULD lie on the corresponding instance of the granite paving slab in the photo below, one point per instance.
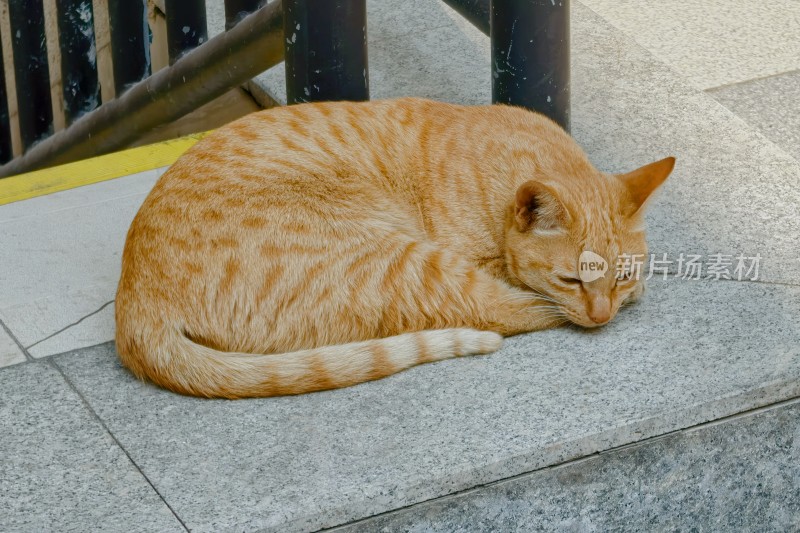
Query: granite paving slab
(61, 259)
(689, 353)
(63, 251)
(738, 475)
(769, 104)
(714, 42)
(60, 470)
(61, 263)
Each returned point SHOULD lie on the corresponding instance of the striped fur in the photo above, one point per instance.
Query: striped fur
(322, 245)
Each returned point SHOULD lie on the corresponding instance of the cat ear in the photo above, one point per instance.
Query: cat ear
(538, 205)
(643, 181)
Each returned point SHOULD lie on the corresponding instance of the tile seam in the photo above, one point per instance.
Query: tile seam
(50, 361)
(73, 324)
(28, 357)
(751, 80)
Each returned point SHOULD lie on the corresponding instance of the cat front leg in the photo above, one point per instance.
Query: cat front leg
(636, 294)
(512, 311)
(492, 304)
(427, 287)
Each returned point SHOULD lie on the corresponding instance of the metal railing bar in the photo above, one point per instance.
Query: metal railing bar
(530, 56)
(34, 105)
(80, 84)
(326, 50)
(5, 120)
(130, 42)
(198, 77)
(530, 52)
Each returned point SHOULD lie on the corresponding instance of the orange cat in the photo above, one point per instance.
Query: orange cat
(321, 245)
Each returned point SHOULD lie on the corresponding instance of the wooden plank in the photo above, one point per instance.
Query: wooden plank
(159, 53)
(54, 63)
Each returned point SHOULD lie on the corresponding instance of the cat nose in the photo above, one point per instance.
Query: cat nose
(600, 316)
(599, 310)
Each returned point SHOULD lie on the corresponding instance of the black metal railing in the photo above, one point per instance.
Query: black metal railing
(325, 50)
(5, 125)
(130, 42)
(530, 56)
(324, 43)
(34, 106)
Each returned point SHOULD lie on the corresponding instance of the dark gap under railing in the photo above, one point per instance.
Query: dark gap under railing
(34, 105)
(130, 42)
(186, 26)
(5, 121)
(80, 84)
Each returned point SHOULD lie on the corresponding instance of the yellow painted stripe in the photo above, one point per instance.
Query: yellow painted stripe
(94, 170)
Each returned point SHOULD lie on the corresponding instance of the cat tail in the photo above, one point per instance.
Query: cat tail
(181, 365)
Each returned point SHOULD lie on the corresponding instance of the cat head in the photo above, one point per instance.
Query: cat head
(577, 242)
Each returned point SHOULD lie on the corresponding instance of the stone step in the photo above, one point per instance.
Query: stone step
(734, 475)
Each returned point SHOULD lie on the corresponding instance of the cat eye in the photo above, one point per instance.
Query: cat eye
(568, 279)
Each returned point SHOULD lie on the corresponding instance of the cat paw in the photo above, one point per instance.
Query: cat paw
(636, 294)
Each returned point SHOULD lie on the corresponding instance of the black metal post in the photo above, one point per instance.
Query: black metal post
(186, 26)
(530, 56)
(326, 50)
(130, 42)
(5, 125)
(236, 10)
(35, 107)
(78, 58)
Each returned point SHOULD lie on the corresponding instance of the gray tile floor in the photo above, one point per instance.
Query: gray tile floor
(771, 104)
(713, 42)
(85, 446)
(60, 469)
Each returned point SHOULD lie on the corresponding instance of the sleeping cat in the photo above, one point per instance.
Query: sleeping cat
(321, 245)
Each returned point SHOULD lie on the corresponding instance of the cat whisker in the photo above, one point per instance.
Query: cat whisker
(546, 312)
(545, 297)
(519, 296)
(526, 298)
